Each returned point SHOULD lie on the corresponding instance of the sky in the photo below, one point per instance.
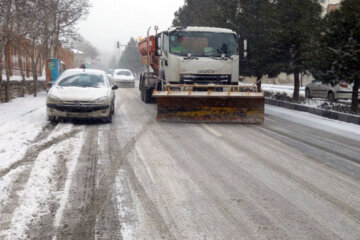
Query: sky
(110, 21)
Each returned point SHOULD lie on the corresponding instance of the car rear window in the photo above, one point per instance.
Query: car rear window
(83, 80)
(123, 73)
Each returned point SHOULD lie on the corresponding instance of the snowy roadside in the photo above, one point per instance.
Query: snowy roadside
(21, 121)
(284, 93)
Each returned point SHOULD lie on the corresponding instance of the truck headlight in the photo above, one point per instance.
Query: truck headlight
(101, 100)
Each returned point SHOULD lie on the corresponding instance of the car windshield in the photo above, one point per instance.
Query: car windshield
(83, 80)
(123, 73)
(203, 44)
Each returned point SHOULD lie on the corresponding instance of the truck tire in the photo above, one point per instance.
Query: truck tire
(148, 95)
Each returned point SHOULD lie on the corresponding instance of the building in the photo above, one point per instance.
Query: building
(20, 50)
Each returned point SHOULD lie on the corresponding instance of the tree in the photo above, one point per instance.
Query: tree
(64, 16)
(89, 51)
(337, 55)
(254, 24)
(7, 35)
(296, 27)
(130, 59)
(195, 13)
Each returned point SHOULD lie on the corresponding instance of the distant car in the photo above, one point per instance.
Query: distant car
(110, 72)
(332, 92)
(124, 78)
(81, 93)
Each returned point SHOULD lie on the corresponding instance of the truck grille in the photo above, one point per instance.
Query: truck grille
(206, 78)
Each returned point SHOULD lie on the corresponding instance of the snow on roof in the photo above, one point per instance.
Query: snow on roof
(80, 70)
(77, 51)
(202, 29)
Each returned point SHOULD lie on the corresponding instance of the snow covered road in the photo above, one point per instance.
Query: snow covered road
(297, 176)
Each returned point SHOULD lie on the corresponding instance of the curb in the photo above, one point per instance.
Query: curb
(344, 117)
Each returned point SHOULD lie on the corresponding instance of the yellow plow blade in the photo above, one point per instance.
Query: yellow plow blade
(212, 107)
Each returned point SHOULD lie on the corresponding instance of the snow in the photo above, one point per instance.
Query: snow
(289, 90)
(71, 164)
(38, 194)
(21, 121)
(6, 184)
(18, 78)
(346, 130)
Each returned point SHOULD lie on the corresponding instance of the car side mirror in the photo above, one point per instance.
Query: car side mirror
(115, 87)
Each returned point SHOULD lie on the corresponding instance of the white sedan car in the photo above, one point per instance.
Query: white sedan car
(124, 78)
(333, 93)
(81, 93)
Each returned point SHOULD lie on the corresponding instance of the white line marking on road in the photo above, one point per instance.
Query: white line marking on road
(211, 130)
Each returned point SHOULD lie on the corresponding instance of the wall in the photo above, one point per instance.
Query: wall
(17, 89)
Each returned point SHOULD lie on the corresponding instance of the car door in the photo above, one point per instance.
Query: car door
(315, 88)
(324, 89)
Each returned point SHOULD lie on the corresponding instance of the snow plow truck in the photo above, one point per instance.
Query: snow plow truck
(192, 74)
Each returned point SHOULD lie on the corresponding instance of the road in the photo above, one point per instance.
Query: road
(296, 176)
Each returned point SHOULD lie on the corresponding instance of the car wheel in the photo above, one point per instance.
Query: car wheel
(307, 93)
(331, 97)
(112, 108)
(109, 118)
(52, 119)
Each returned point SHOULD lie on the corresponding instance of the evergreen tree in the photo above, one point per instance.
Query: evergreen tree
(337, 56)
(254, 24)
(131, 59)
(296, 27)
(199, 13)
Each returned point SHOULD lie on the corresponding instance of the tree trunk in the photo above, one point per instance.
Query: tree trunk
(22, 72)
(258, 82)
(355, 98)
(7, 70)
(34, 71)
(296, 86)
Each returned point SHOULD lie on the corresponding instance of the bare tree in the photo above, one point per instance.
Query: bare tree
(65, 14)
(7, 17)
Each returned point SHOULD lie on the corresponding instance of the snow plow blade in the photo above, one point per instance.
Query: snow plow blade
(210, 107)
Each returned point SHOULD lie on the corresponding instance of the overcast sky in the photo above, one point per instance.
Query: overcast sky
(110, 21)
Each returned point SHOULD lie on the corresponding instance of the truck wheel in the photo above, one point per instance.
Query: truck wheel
(141, 82)
(147, 95)
(142, 94)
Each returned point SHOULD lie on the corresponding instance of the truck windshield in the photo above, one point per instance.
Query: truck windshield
(203, 44)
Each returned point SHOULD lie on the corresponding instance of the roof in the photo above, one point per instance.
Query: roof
(81, 70)
(202, 29)
(122, 69)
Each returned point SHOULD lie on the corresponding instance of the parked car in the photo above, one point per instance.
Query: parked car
(330, 91)
(124, 78)
(81, 93)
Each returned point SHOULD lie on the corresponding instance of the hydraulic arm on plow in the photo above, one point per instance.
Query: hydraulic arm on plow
(193, 74)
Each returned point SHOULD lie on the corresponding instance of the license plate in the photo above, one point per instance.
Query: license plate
(75, 115)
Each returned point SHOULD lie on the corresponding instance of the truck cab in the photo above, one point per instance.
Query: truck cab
(200, 55)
